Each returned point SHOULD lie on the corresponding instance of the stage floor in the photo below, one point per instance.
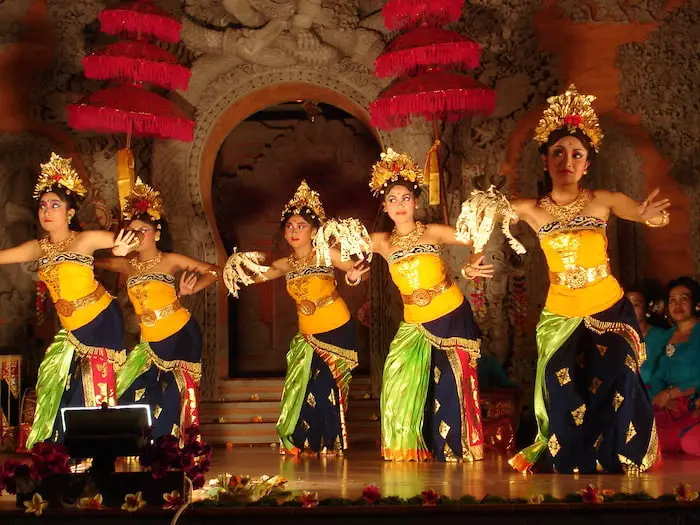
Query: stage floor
(345, 477)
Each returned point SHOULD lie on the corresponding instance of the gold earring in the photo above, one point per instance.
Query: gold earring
(157, 236)
(585, 172)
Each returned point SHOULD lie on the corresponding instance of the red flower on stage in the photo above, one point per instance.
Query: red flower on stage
(591, 494)
(309, 499)
(49, 458)
(371, 494)
(429, 498)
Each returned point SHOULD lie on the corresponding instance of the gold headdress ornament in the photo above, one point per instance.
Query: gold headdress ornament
(391, 168)
(59, 172)
(143, 200)
(304, 197)
(572, 111)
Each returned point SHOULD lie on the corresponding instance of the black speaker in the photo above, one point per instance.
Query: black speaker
(105, 433)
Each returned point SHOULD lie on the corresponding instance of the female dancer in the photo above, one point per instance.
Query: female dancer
(78, 368)
(324, 352)
(675, 383)
(593, 412)
(429, 401)
(165, 368)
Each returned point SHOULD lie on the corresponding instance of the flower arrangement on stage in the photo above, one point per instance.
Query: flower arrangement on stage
(24, 476)
(165, 454)
(242, 491)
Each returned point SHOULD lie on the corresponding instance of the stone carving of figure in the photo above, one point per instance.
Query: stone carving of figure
(280, 33)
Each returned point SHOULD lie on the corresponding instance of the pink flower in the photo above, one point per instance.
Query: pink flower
(173, 500)
(309, 499)
(429, 498)
(371, 494)
(591, 494)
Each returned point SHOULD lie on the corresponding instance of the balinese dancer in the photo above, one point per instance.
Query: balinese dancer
(324, 352)
(429, 401)
(78, 368)
(593, 412)
(165, 368)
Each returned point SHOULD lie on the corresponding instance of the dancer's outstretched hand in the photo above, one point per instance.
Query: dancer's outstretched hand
(652, 209)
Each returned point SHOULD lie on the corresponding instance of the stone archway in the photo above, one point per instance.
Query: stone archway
(183, 172)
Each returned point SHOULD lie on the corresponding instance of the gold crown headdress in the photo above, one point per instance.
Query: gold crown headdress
(143, 200)
(573, 111)
(59, 172)
(392, 167)
(304, 197)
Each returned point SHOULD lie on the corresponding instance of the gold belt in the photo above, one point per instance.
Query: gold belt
(423, 296)
(150, 317)
(578, 277)
(307, 307)
(67, 308)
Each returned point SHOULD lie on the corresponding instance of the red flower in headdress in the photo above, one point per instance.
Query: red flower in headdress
(573, 120)
(141, 206)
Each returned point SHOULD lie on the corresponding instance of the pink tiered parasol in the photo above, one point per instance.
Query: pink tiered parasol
(425, 47)
(143, 19)
(138, 61)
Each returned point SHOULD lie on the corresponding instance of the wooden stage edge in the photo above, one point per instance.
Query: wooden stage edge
(346, 477)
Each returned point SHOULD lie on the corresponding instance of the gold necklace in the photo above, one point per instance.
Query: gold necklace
(146, 266)
(299, 263)
(565, 213)
(51, 249)
(409, 240)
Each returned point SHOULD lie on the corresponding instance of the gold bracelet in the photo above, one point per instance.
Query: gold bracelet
(465, 271)
(665, 218)
(351, 283)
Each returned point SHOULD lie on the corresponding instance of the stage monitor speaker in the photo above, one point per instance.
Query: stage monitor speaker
(105, 433)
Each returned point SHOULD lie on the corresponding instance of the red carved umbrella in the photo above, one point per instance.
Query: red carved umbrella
(138, 61)
(131, 109)
(433, 95)
(425, 47)
(141, 18)
(402, 14)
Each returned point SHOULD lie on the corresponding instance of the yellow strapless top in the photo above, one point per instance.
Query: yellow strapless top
(154, 296)
(418, 269)
(580, 280)
(319, 307)
(70, 276)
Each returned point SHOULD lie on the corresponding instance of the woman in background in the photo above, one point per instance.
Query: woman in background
(675, 384)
